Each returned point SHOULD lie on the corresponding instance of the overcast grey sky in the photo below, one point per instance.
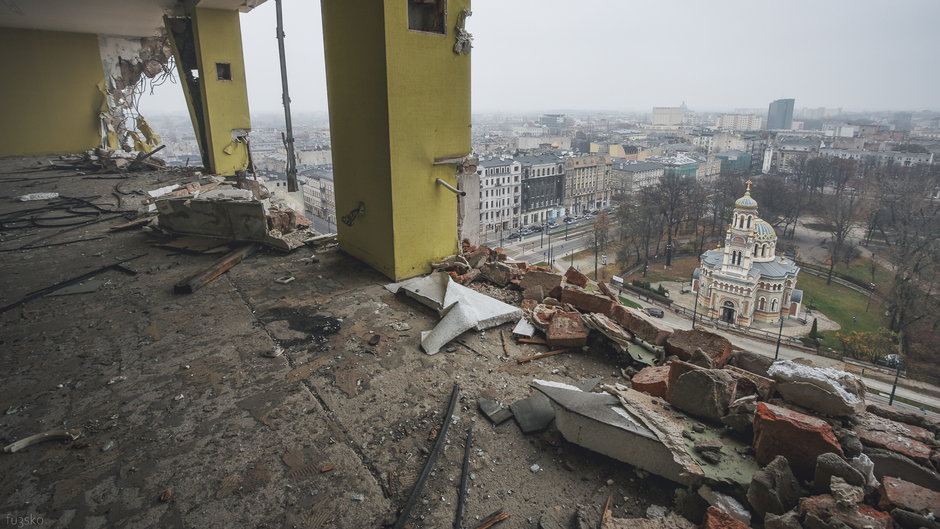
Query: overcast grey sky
(633, 55)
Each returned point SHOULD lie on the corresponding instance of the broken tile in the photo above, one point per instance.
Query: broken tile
(494, 411)
(533, 413)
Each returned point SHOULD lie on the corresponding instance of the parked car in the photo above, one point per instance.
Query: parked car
(514, 235)
(551, 224)
(569, 220)
(537, 229)
(653, 311)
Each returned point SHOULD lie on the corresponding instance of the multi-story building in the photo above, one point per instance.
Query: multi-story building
(791, 153)
(668, 116)
(319, 197)
(587, 181)
(500, 181)
(906, 159)
(629, 177)
(543, 188)
(734, 162)
(780, 115)
(739, 122)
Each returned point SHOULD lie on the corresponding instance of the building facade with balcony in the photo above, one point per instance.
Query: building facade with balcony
(500, 184)
(543, 188)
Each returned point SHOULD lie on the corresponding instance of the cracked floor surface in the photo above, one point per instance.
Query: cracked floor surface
(181, 392)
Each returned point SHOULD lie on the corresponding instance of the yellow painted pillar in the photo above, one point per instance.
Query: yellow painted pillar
(208, 49)
(399, 98)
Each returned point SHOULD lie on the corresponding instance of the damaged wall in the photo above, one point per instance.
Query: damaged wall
(49, 96)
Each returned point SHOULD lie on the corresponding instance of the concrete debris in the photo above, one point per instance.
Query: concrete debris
(699, 358)
(494, 411)
(669, 521)
(910, 520)
(533, 414)
(740, 417)
(752, 362)
(846, 495)
(830, 465)
(703, 393)
(684, 344)
(547, 281)
(887, 463)
(825, 390)
(788, 520)
(798, 437)
(566, 330)
(747, 383)
(823, 511)
(575, 277)
(524, 328)
(497, 273)
(645, 327)
(908, 496)
(866, 467)
(586, 301)
(774, 489)
(588, 384)
(461, 308)
(621, 337)
(726, 504)
(906, 417)
(655, 512)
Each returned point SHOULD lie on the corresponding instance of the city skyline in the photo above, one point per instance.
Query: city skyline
(601, 56)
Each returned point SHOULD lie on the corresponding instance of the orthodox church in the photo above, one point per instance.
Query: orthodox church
(745, 281)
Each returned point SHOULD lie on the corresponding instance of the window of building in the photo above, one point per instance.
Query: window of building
(429, 16)
(223, 71)
(773, 305)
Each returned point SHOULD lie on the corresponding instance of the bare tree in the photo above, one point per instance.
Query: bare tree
(840, 216)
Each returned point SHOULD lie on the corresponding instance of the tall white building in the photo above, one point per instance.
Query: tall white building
(500, 195)
(668, 116)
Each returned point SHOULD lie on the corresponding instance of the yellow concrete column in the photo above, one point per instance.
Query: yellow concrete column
(399, 98)
(210, 42)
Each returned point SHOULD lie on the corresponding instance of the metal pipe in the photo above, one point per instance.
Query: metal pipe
(451, 188)
(285, 96)
(465, 471)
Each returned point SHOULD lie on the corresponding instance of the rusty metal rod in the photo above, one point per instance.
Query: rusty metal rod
(465, 471)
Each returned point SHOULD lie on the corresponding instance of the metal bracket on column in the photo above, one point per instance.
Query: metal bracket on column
(451, 188)
(465, 164)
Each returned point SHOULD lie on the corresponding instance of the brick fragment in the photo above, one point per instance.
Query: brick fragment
(575, 277)
(899, 493)
(797, 436)
(716, 518)
(653, 380)
(566, 330)
(587, 301)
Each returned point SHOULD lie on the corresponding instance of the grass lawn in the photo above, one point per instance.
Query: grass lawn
(630, 303)
(681, 270)
(861, 269)
(840, 304)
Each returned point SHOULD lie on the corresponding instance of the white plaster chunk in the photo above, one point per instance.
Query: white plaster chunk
(823, 377)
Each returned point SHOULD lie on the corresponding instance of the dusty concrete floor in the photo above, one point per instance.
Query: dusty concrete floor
(241, 437)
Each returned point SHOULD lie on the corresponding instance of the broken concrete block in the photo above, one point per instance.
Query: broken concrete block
(588, 384)
(774, 489)
(677, 368)
(904, 416)
(846, 495)
(825, 509)
(755, 384)
(699, 358)
(895, 442)
(566, 330)
(829, 465)
(497, 273)
(798, 437)
(908, 496)
(533, 414)
(752, 362)
(586, 301)
(538, 278)
(649, 329)
(718, 519)
(740, 417)
(494, 411)
(704, 393)
(788, 520)
(653, 380)
(670, 521)
(726, 504)
(609, 328)
(896, 465)
(910, 520)
(684, 343)
(575, 277)
(834, 392)
(534, 292)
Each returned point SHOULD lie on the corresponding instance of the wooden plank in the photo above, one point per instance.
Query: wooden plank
(204, 277)
(525, 359)
(539, 341)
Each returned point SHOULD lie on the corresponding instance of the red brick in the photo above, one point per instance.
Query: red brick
(566, 330)
(716, 518)
(576, 278)
(899, 493)
(896, 442)
(644, 327)
(797, 436)
(653, 380)
(587, 301)
(684, 343)
(861, 516)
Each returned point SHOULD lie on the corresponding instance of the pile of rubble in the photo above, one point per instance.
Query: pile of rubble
(753, 442)
(106, 161)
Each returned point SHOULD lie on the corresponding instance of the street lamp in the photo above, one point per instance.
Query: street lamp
(897, 371)
(695, 308)
(779, 334)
